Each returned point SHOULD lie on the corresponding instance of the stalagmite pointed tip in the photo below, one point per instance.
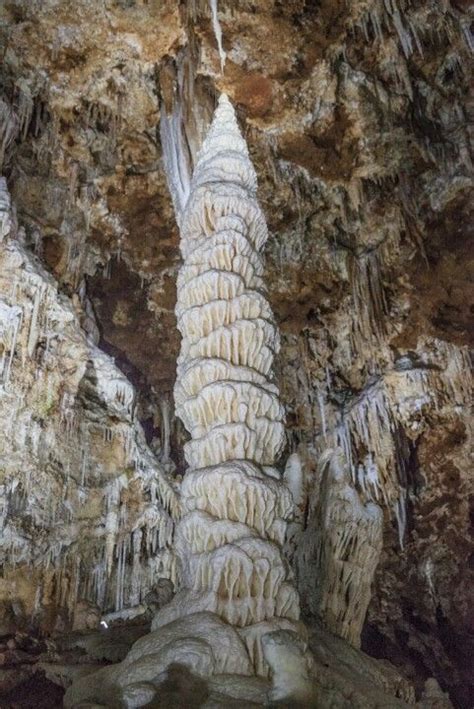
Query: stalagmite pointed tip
(225, 111)
(224, 154)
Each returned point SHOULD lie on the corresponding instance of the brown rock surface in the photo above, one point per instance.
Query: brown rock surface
(356, 116)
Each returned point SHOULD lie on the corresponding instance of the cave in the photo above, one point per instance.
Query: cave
(235, 370)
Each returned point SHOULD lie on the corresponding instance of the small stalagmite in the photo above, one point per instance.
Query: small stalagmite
(342, 548)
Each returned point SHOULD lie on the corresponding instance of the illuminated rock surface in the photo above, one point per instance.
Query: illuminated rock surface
(355, 119)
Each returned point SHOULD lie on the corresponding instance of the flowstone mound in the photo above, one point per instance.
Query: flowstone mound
(200, 642)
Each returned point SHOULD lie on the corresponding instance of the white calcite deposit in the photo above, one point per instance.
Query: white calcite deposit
(235, 514)
(235, 584)
(86, 511)
(342, 551)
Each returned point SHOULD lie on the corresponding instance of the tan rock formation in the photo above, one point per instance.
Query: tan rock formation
(355, 115)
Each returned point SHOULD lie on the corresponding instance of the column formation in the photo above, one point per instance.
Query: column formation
(235, 506)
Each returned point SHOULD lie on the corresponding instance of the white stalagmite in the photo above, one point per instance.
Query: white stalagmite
(231, 535)
(236, 586)
(341, 547)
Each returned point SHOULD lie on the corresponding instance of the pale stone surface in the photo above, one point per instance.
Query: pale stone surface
(184, 603)
(138, 695)
(201, 642)
(229, 651)
(246, 689)
(253, 635)
(290, 663)
(231, 553)
(68, 421)
(192, 652)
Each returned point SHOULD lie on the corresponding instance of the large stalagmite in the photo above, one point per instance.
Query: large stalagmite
(235, 505)
(236, 586)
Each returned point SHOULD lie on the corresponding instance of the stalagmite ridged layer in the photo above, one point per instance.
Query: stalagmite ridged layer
(225, 321)
(234, 513)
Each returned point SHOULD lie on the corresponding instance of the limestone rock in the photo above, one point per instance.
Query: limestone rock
(138, 695)
(284, 652)
(355, 119)
(228, 650)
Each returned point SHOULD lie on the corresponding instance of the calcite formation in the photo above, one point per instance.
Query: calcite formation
(235, 584)
(87, 512)
(341, 549)
(235, 506)
(355, 115)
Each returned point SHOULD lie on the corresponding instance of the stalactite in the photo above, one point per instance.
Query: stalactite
(216, 26)
(294, 477)
(72, 417)
(10, 324)
(9, 128)
(175, 156)
(165, 408)
(25, 107)
(5, 207)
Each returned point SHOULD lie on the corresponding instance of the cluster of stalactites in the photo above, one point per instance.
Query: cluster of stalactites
(235, 507)
(70, 440)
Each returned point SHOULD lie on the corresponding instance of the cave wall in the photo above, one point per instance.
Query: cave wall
(88, 511)
(356, 121)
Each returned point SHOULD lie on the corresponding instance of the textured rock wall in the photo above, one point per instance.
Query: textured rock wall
(87, 512)
(356, 120)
